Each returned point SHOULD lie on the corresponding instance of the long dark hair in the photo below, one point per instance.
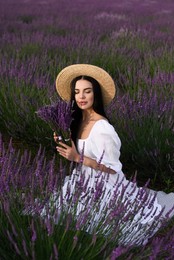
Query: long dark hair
(98, 105)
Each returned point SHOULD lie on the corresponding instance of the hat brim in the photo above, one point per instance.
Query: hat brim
(65, 77)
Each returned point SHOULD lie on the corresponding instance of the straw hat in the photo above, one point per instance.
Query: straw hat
(66, 76)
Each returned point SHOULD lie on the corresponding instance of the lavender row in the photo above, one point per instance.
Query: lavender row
(27, 183)
(145, 124)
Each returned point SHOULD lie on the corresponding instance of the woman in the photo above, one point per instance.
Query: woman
(96, 148)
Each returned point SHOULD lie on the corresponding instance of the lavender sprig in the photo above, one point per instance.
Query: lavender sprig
(58, 116)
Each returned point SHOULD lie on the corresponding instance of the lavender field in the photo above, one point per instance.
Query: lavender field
(133, 41)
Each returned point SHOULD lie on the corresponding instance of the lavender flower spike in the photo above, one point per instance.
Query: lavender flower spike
(58, 116)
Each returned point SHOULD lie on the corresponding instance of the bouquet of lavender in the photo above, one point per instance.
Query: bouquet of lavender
(58, 115)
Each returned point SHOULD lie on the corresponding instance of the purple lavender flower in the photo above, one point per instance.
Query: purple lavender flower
(58, 116)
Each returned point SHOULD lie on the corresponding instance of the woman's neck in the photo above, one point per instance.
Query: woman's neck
(88, 115)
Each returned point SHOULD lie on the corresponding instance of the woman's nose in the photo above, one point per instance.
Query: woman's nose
(82, 95)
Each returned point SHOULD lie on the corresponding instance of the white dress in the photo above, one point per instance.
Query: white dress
(142, 213)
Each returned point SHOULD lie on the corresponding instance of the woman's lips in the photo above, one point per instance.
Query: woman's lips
(82, 103)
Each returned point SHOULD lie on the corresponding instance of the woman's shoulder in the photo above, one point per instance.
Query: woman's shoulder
(104, 132)
(102, 125)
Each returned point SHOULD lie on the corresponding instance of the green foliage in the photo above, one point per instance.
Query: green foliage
(52, 30)
(17, 114)
(25, 237)
(28, 19)
(28, 50)
(149, 148)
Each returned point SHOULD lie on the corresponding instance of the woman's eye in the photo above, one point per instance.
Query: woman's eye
(86, 92)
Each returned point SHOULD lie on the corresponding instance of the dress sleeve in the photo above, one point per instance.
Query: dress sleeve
(106, 145)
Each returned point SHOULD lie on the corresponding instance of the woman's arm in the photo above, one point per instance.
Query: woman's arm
(71, 154)
(96, 166)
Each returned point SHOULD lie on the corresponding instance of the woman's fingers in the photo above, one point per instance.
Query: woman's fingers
(64, 152)
(64, 145)
(60, 149)
(68, 152)
(57, 138)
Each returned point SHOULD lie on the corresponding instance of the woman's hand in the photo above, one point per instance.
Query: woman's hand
(70, 153)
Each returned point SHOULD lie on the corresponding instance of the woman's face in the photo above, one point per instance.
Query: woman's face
(84, 95)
